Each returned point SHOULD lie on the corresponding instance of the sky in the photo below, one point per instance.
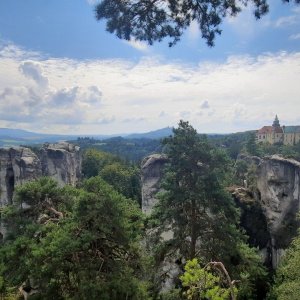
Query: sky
(61, 72)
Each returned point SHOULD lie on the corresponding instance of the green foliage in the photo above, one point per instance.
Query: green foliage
(233, 143)
(251, 145)
(195, 203)
(174, 294)
(94, 160)
(124, 177)
(287, 151)
(241, 169)
(203, 283)
(129, 149)
(287, 280)
(200, 213)
(253, 276)
(156, 20)
(92, 252)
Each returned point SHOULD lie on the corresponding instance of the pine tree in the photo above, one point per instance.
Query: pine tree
(195, 205)
(199, 213)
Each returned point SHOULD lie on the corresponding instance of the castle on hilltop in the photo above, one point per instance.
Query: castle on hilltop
(276, 134)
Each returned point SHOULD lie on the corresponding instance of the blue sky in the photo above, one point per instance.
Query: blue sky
(61, 72)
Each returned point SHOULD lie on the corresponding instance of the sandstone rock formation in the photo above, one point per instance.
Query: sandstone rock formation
(62, 162)
(269, 211)
(275, 202)
(151, 170)
(278, 184)
(18, 165)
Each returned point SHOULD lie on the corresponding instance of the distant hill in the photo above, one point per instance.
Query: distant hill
(156, 134)
(14, 137)
(16, 133)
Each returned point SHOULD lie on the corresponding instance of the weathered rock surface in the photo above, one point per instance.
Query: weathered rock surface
(151, 170)
(277, 197)
(18, 165)
(62, 162)
(254, 221)
(278, 184)
(269, 213)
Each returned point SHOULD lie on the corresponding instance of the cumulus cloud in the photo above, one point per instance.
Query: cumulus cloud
(33, 70)
(106, 120)
(286, 21)
(289, 20)
(64, 97)
(138, 45)
(184, 115)
(204, 105)
(162, 114)
(119, 96)
(295, 36)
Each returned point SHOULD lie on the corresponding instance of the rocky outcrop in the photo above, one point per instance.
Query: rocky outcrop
(269, 201)
(62, 162)
(278, 184)
(18, 165)
(151, 170)
(253, 221)
(275, 203)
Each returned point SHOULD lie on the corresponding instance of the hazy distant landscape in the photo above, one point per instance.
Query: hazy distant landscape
(14, 137)
(149, 150)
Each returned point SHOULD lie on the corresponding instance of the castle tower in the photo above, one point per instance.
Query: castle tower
(276, 122)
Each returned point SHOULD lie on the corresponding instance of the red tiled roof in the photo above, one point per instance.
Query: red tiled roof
(278, 130)
(269, 129)
(265, 129)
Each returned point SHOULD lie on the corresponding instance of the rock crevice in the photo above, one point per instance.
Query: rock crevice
(269, 212)
(60, 161)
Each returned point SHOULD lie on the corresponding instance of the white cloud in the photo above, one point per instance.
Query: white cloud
(138, 45)
(33, 70)
(92, 2)
(292, 19)
(194, 32)
(205, 105)
(286, 21)
(245, 25)
(118, 96)
(295, 36)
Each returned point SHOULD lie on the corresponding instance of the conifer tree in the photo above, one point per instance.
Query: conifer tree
(197, 213)
(195, 205)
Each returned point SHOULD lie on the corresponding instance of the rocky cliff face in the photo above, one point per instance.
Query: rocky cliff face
(151, 169)
(276, 202)
(18, 165)
(278, 185)
(62, 162)
(269, 212)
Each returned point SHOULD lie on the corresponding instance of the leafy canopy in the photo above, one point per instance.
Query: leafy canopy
(155, 20)
(194, 204)
(198, 215)
(287, 281)
(73, 243)
(204, 283)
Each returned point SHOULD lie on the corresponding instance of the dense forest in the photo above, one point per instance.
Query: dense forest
(93, 241)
